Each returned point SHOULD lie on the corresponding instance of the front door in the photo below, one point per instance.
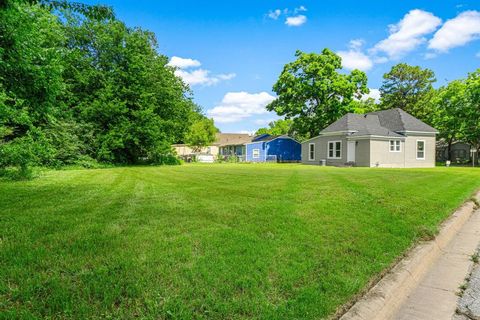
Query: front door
(351, 151)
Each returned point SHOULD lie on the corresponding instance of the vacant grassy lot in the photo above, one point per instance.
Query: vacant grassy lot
(211, 241)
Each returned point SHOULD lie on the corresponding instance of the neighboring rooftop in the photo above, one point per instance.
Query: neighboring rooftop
(390, 122)
(268, 137)
(232, 139)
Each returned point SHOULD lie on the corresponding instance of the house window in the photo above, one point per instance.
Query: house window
(420, 149)
(335, 149)
(311, 151)
(256, 153)
(395, 146)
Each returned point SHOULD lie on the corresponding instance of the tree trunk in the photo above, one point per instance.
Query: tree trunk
(449, 149)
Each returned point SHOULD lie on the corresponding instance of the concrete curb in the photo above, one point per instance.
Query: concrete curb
(385, 298)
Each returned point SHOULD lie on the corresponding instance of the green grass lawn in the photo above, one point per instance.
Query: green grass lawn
(223, 241)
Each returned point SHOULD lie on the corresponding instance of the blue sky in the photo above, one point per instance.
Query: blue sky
(231, 52)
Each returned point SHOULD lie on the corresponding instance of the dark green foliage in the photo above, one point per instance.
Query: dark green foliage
(471, 115)
(408, 88)
(85, 86)
(202, 133)
(447, 106)
(455, 111)
(98, 12)
(121, 87)
(313, 92)
(277, 127)
(69, 140)
(31, 84)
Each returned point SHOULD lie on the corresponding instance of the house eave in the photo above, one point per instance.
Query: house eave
(332, 133)
(411, 132)
(374, 137)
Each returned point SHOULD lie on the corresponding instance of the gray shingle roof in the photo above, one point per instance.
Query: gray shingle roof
(380, 123)
(399, 120)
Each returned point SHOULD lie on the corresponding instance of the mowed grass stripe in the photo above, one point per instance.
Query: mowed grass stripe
(225, 241)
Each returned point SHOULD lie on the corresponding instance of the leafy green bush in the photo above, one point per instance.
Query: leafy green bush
(88, 163)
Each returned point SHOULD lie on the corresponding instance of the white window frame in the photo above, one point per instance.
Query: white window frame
(334, 149)
(424, 149)
(394, 145)
(257, 151)
(310, 158)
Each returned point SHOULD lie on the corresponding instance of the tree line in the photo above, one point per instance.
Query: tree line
(79, 86)
(313, 92)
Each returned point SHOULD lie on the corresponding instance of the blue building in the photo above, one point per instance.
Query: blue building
(273, 148)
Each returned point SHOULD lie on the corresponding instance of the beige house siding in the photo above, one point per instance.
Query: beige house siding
(381, 156)
(362, 155)
(411, 149)
(183, 150)
(321, 150)
(375, 152)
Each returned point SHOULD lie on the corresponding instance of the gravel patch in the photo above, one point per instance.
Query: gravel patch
(469, 302)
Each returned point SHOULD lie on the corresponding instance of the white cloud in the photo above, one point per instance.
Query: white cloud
(293, 18)
(299, 9)
(355, 58)
(356, 44)
(296, 21)
(374, 93)
(202, 77)
(183, 63)
(196, 76)
(274, 14)
(236, 106)
(227, 76)
(457, 32)
(408, 34)
(380, 59)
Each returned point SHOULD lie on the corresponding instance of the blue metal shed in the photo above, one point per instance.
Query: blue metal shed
(273, 148)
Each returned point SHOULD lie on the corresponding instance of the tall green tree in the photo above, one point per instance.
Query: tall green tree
(201, 134)
(31, 84)
(75, 82)
(364, 106)
(120, 86)
(277, 127)
(447, 107)
(313, 93)
(471, 114)
(408, 88)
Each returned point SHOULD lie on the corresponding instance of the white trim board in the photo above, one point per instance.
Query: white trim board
(374, 137)
(333, 133)
(421, 132)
